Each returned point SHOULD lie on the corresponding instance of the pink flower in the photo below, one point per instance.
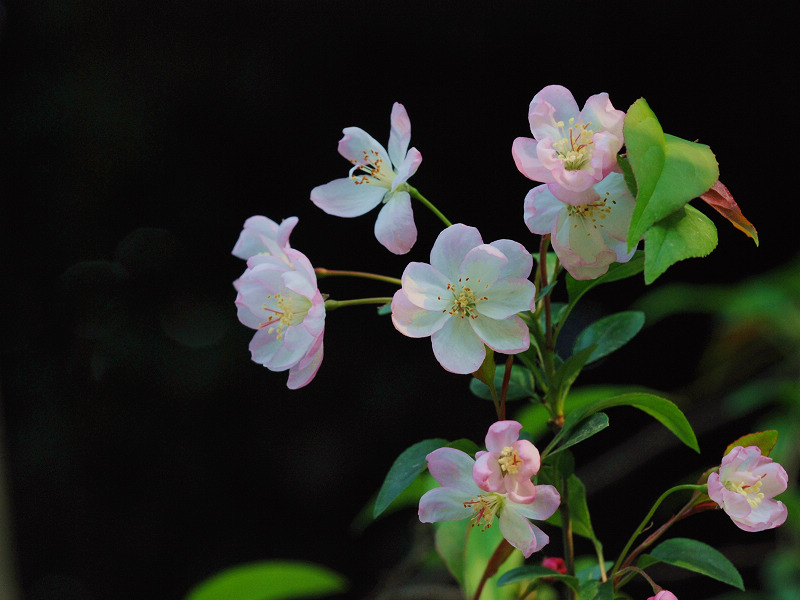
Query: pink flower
(745, 486)
(377, 176)
(571, 149)
(461, 498)
(663, 595)
(556, 564)
(589, 229)
(264, 236)
(466, 297)
(279, 298)
(508, 463)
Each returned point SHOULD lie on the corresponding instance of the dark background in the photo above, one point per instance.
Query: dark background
(144, 451)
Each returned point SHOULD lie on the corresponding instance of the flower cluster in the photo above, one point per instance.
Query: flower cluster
(497, 484)
(278, 297)
(584, 203)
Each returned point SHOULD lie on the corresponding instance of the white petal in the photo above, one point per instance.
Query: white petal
(507, 297)
(407, 168)
(520, 261)
(547, 502)
(541, 210)
(552, 103)
(481, 266)
(456, 346)
(524, 151)
(400, 134)
(346, 198)
(451, 247)
(395, 227)
(453, 468)
(360, 148)
(508, 336)
(305, 370)
(413, 321)
(426, 287)
(519, 532)
(444, 504)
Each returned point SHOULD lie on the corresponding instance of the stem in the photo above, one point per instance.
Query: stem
(330, 273)
(646, 520)
(547, 351)
(504, 388)
(415, 194)
(566, 533)
(334, 304)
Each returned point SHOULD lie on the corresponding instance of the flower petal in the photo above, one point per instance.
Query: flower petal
(552, 103)
(346, 198)
(457, 348)
(444, 504)
(399, 134)
(519, 532)
(360, 148)
(481, 267)
(524, 151)
(452, 468)
(502, 434)
(599, 111)
(508, 336)
(542, 209)
(520, 261)
(487, 473)
(414, 321)
(304, 371)
(426, 287)
(261, 234)
(450, 248)
(507, 297)
(547, 502)
(407, 168)
(395, 227)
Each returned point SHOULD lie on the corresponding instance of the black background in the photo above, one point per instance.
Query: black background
(144, 451)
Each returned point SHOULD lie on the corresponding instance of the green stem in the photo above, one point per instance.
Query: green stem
(646, 520)
(504, 387)
(334, 304)
(566, 533)
(331, 273)
(415, 194)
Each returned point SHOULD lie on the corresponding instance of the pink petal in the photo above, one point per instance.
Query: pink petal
(508, 336)
(531, 460)
(487, 473)
(346, 198)
(519, 532)
(520, 261)
(552, 103)
(602, 115)
(481, 266)
(502, 434)
(304, 371)
(426, 287)
(395, 227)
(547, 502)
(507, 297)
(541, 210)
(360, 148)
(444, 504)
(407, 168)
(452, 468)
(525, 155)
(521, 491)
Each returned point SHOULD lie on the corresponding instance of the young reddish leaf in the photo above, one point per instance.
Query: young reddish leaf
(765, 440)
(721, 200)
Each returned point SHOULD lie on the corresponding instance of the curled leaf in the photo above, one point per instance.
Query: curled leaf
(721, 200)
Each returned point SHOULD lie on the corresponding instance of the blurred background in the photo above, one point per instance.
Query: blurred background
(143, 451)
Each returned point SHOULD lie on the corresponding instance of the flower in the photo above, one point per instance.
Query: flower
(571, 149)
(461, 498)
(376, 176)
(278, 297)
(263, 236)
(745, 486)
(508, 463)
(589, 235)
(466, 297)
(664, 595)
(556, 564)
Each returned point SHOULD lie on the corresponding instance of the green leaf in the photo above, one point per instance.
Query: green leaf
(659, 408)
(586, 429)
(408, 497)
(405, 469)
(270, 580)
(596, 590)
(698, 557)
(686, 233)
(765, 440)
(566, 375)
(616, 271)
(466, 551)
(609, 333)
(521, 384)
(528, 573)
(627, 173)
(669, 171)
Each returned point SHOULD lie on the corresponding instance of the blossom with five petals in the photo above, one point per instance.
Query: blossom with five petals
(589, 229)
(461, 498)
(466, 297)
(571, 149)
(508, 463)
(745, 486)
(278, 297)
(262, 235)
(377, 176)
(664, 595)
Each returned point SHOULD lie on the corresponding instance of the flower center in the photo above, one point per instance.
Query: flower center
(752, 493)
(283, 315)
(465, 301)
(374, 170)
(485, 508)
(591, 213)
(574, 148)
(509, 460)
